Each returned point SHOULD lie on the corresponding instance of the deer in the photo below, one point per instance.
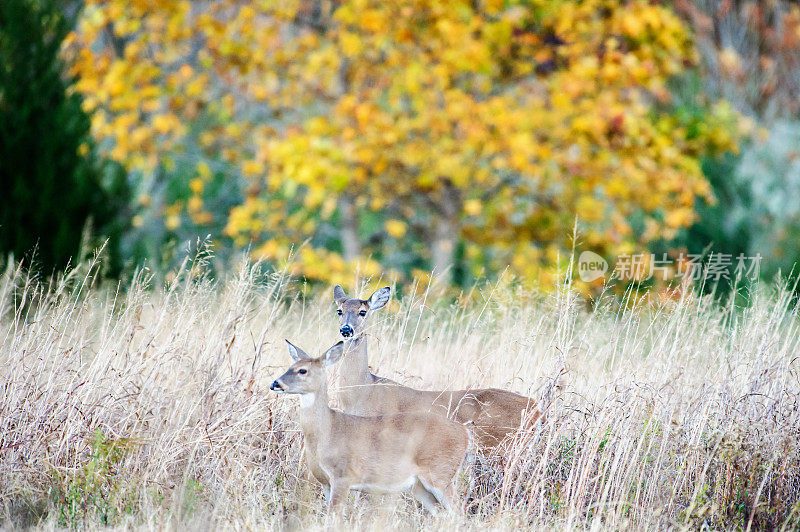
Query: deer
(416, 453)
(491, 413)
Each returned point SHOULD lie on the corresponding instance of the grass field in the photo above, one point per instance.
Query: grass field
(150, 406)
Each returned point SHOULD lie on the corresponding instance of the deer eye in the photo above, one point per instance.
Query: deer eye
(362, 313)
(339, 312)
(302, 371)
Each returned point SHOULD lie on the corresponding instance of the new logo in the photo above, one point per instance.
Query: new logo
(591, 266)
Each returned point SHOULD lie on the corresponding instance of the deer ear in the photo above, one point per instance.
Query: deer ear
(333, 355)
(296, 353)
(379, 298)
(338, 294)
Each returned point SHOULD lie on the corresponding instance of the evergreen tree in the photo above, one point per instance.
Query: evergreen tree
(51, 186)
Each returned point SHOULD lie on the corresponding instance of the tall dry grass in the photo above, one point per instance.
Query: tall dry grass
(149, 406)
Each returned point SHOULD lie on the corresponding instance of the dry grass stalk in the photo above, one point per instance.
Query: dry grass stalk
(149, 407)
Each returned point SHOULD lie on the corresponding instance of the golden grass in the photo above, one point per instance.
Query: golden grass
(150, 407)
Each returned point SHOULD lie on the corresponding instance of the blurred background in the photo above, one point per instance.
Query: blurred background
(392, 139)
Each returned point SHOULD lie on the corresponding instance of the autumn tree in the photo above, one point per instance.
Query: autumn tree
(419, 134)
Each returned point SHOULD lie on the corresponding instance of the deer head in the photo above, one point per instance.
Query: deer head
(307, 374)
(353, 313)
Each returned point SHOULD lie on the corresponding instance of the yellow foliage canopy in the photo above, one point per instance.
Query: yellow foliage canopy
(494, 124)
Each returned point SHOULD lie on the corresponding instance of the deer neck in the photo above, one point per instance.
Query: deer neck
(354, 367)
(314, 414)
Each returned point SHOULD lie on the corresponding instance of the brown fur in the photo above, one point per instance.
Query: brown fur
(492, 414)
(415, 452)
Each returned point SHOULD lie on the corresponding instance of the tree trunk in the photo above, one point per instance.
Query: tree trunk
(442, 248)
(445, 231)
(351, 247)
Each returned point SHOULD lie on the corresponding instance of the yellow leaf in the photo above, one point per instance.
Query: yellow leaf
(396, 228)
(473, 207)
(194, 204)
(252, 168)
(172, 222)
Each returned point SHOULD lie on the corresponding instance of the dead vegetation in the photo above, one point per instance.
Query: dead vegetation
(150, 407)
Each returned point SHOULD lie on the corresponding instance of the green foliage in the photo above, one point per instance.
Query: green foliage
(176, 209)
(757, 204)
(95, 491)
(769, 174)
(192, 492)
(715, 230)
(53, 189)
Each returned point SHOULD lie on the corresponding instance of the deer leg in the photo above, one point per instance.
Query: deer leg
(425, 497)
(337, 494)
(443, 490)
(448, 495)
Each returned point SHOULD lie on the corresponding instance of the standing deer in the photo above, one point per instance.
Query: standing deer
(491, 413)
(417, 453)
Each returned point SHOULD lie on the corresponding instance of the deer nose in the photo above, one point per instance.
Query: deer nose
(346, 331)
(275, 386)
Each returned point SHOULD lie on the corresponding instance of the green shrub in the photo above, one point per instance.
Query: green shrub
(95, 492)
(757, 209)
